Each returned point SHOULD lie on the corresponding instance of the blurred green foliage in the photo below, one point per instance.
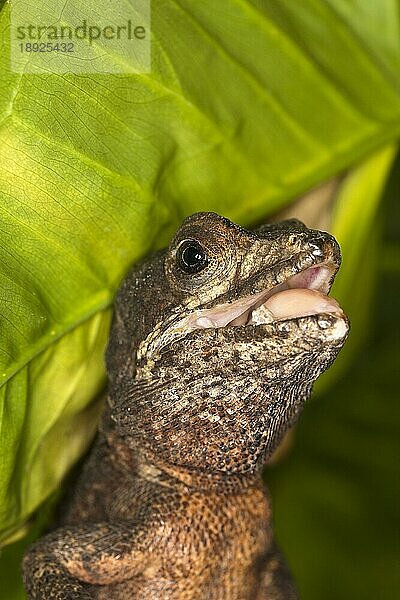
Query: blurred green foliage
(337, 496)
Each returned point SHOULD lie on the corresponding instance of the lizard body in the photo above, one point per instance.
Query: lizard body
(214, 348)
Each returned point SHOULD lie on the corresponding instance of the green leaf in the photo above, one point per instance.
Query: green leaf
(248, 104)
(47, 417)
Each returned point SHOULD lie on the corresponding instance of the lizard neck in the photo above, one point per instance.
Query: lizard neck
(151, 468)
(148, 466)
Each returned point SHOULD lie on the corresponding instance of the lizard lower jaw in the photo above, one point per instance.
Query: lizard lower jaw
(301, 295)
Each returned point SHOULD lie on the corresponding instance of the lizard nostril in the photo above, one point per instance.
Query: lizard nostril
(316, 250)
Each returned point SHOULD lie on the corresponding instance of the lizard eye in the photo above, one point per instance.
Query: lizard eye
(192, 258)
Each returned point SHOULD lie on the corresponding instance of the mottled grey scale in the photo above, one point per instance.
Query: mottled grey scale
(170, 503)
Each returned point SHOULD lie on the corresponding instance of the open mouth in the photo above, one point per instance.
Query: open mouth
(302, 294)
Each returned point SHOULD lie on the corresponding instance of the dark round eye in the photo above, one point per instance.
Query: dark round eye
(192, 257)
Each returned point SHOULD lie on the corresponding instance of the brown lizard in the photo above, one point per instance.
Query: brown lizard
(214, 348)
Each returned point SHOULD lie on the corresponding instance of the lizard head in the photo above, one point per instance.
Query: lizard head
(217, 341)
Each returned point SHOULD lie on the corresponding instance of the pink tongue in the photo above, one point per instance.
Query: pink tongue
(300, 302)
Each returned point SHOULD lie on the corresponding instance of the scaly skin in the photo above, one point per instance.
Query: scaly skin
(170, 503)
